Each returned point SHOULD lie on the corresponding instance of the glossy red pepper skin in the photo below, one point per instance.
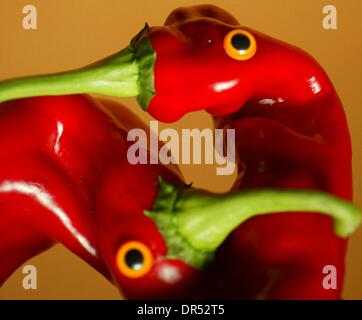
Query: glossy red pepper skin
(41, 158)
(65, 178)
(192, 62)
(69, 181)
(285, 254)
(291, 131)
(295, 120)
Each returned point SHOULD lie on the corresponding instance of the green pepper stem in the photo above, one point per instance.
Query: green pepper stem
(116, 76)
(205, 221)
(129, 73)
(195, 223)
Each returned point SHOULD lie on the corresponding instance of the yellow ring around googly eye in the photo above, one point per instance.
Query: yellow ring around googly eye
(134, 259)
(240, 44)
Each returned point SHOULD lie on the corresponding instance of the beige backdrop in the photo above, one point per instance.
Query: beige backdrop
(73, 33)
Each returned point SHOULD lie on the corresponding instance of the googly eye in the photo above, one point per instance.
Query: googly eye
(134, 259)
(240, 44)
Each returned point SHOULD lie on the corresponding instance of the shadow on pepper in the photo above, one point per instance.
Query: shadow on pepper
(290, 126)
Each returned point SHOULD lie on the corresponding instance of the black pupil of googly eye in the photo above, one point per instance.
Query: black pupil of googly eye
(240, 42)
(134, 259)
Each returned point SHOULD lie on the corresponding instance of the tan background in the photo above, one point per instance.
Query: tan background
(73, 33)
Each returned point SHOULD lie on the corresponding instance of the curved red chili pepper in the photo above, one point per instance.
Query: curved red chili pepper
(291, 130)
(201, 59)
(195, 72)
(287, 253)
(65, 177)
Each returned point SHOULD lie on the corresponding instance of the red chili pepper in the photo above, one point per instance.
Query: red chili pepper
(56, 155)
(65, 178)
(287, 253)
(202, 59)
(291, 130)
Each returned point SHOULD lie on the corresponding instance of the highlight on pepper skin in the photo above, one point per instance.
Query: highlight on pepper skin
(138, 225)
(147, 232)
(171, 251)
(140, 267)
(235, 66)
